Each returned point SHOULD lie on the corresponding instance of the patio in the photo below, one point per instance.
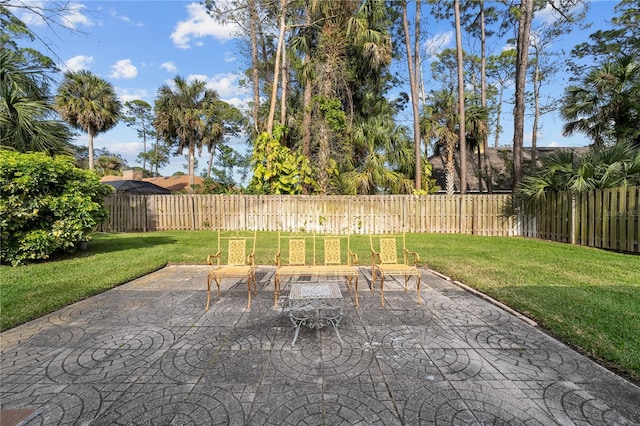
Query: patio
(148, 353)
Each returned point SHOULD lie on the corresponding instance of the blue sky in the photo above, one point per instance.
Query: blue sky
(140, 45)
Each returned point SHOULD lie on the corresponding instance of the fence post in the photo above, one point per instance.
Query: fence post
(475, 212)
(459, 208)
(573, 224)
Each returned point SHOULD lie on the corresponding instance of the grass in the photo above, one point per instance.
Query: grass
(586, 297)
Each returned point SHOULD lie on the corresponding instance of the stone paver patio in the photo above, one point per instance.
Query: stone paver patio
(148, 353)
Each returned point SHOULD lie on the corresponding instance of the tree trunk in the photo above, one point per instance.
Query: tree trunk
(306, 103)
(156, 159)
(414, 94)
(496, 143)
(536, 114)
(461, 104)
(91, 135)
(283, 94)
(486, 167)
(276, 68)
(144, 152)
(210, 166)
(524, 30)
(211, 155)
(306, 119)
(450, 169)
(255, 76)
(192, 161)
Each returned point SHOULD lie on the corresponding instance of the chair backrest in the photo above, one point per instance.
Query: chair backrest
(297, 251)
(237, 252)
(389, 248)
(237, 246)
(332, 251)
(388, 251)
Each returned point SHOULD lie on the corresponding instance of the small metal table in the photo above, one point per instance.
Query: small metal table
(315, 305)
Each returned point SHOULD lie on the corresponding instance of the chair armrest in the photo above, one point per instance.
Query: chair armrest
(375, 255)
(277, 260)
(251, 259)
(416, 256)
(354, 257)
(213, 256)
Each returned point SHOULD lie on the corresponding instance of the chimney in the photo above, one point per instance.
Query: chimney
(132, 174)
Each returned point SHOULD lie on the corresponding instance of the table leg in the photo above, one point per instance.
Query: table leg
(295, 336)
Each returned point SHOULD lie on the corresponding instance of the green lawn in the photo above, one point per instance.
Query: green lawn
(586, 297)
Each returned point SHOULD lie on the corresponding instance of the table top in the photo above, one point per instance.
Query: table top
(315, 291)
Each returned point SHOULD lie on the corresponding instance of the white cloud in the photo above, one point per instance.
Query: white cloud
(227, 85)
(124, 18)
(37, 15)
(438, 43)
(198, 25)
(126, 95)
(73, 17)
(126, 149)
(31, 19)
(549, 14)
(169, 67)
(240, 103)
(229, 56)
(124, 69)
(77, 63)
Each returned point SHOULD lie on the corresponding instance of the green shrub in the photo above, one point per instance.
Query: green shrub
(47, 206)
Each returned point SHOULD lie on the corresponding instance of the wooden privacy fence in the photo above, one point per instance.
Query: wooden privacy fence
(469, 214)
(604, 218)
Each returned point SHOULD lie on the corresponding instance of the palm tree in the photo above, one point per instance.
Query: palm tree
(186, 116)
(381, 144)
(606, 107)
(602, 167)
(27, 120)
(440, 124)
(88, 103)
(477, 130)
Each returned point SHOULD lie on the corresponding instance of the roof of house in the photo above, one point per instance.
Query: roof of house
(501, 162)
(137, 187)
(178, 183)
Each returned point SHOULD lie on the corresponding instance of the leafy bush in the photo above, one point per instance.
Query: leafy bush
(47, 205)
(278, 170)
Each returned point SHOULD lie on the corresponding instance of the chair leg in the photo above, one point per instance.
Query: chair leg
(373, 278)
(348, 279)
(382, 289)
(276, 292)
(357, 302)
(418, 287)
(206, 308)
(249, 292)
(255, 283)
(209, 277)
